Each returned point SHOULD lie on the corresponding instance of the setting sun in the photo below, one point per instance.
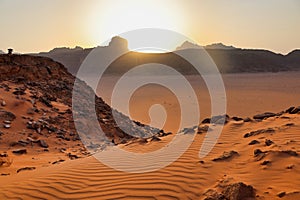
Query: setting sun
(130, 15)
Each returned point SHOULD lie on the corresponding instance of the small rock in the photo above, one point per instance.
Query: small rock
(58, 161)
(266, 162)
(72, 156)
(43, 144)
(3, 155)
(25, 168)
(268, 142)
(253, 142)
(264, 115)
(154, 138)
(7, 126)
(206, 121)
(7, 122)
(23, 142)
(3, 103)
(290, 166)
(203, 129)
(293, 110)
(290, 152)
(257, 152)
(281, 194)
(260, 131)
(226, 155)
(220, 119)
(188, 131)
(247, 119)
(237, 118)
(289, 124)
(20, 151)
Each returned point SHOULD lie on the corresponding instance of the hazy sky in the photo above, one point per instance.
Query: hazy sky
(35, 25)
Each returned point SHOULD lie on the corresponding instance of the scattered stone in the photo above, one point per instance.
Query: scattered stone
(237, 118)
(220, 119)
(7, 126)
(213, 195)
(25, 168)
(264, 115)
(43, 144)
(46, 101)
(5, 115)
(7, 122)
(247, 119)
(72, 156)
(203, 129)
(238, 191)
(258, 152)
(20, 151)
(281, 194)
(290, 152)
(226, 156)
(293, 110)
(19, 91)
(289, 124)
(290, 166)
(260, 131)
(23, 142)
(206, 121)
(266, 162)
(3, 155)
(155, 138)
(58, 161)
(268, 142)
(188, 131)
(290, 109)
(253, 142)
(3, 103)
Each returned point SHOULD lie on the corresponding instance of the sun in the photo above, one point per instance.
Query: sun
(116, 17)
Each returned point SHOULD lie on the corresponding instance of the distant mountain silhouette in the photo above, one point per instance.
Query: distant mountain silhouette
(227, 58)
(219, 46)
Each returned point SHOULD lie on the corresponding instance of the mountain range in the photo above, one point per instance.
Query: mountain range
(228, 59)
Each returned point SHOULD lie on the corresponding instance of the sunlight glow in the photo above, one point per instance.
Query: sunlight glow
(130, 15)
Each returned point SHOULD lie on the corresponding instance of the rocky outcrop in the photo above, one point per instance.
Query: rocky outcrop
(49, 82)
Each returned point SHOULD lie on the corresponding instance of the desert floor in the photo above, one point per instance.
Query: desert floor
(275, 170)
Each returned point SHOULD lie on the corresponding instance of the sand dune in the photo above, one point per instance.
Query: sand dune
(187, 178)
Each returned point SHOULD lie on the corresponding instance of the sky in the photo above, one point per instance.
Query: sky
(35, 26)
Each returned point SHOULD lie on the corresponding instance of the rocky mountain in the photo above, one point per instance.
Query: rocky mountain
(2, 52)
(36, 107)
(227, 58)
(219, 46)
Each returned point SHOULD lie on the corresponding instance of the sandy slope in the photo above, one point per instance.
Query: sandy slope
(187, 178)
(247, 95)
